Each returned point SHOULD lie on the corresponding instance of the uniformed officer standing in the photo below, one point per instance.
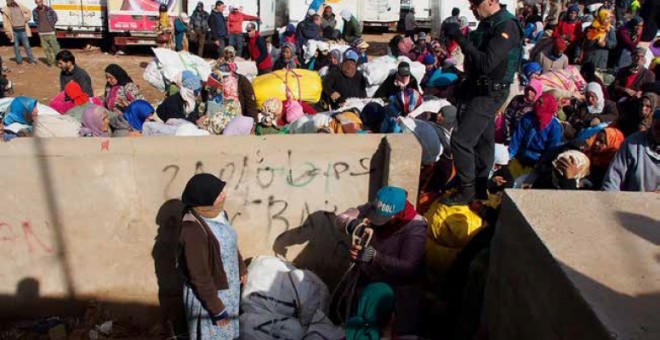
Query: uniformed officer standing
(492, 57)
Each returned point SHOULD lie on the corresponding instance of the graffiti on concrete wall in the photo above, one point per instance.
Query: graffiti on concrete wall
(253, 181)
(26, 236)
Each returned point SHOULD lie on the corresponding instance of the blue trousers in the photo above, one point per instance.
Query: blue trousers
(20, 37)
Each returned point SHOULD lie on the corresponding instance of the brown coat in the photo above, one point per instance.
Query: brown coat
(201, 263)
(7, 26)
(246, 97)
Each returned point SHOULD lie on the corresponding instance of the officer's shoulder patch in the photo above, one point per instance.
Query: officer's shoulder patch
(505, 35)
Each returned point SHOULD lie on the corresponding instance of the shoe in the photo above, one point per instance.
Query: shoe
(481, 189)
(463, 196)
(32, 62)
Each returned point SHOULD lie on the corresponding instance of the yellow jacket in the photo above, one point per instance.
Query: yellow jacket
(6, 21)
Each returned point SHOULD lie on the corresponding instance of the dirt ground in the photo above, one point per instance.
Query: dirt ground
(41, 82)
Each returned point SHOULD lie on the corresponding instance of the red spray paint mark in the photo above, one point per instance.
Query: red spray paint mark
(30, 236)
(105, 145)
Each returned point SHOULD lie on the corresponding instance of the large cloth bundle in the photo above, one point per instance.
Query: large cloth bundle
(427, 136)
(282, 302)
(450, 230)
(568, 79)
(56, 126)
(300, 84)
(313, 45)
(168, 64)
(44, 110)
(377, 70)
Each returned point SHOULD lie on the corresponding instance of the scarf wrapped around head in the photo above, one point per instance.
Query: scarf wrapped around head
(536, 86)
(596, 89)
(119, 73)
(189, 87)
(202, 190)
(137, 113)
(336, 53)
(571, 9)
(271, 111)
(374, 311)
(531, 68)
(74, 92)
(580, 159)
(20, 111)
(600, 26)
(545, 109)
(613, 139)
(92, 122)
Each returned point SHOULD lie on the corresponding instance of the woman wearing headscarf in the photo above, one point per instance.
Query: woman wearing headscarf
(288, 58)
(571, 170)
(72, 96)
(23, 111)
(182, 105)
(603, 147)
(137, 113)
(537, 133)
(599, 40)
(374, 314)
(595, 110)
(521, 105)
(628, 37)
(120, 90)
(180, 32)
(95, 122)
(569, 29)
(164, 27)
(631, 122)
(531, 70)
(210, 260)
(334, 60)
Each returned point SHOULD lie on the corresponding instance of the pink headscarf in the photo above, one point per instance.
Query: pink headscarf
(537, 86)
(92, 122)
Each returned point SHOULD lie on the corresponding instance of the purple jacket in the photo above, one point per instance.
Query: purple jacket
(400, 249)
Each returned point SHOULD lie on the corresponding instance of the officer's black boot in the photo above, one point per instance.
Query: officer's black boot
(481, 189)
(463, 196)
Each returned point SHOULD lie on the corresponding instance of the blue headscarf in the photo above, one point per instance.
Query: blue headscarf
(137, 112)
(531, 68)
(18, 109)
(441, 79)
(191, 81)
(375, 308)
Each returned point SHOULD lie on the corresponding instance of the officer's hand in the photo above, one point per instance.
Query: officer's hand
(453, 31)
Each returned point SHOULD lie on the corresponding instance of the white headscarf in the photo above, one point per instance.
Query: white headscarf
(598, 91)
(346, 14)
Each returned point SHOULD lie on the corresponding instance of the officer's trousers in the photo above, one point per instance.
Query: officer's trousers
(473, 143)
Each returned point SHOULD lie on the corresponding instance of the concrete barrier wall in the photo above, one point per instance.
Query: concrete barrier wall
(575, 265)
(97, 218)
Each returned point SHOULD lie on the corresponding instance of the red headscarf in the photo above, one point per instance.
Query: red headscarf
(602, 159)
(75, 93)
(545, 108)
